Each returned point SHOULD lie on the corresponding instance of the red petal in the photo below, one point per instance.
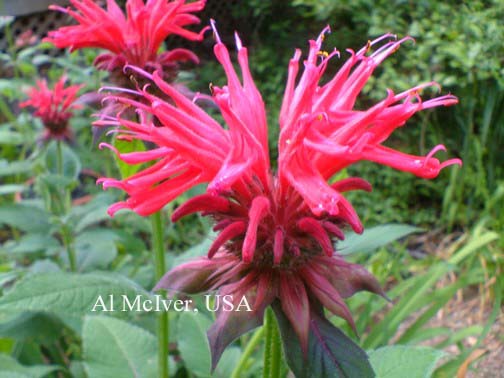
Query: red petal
(315, 229)
(327, 295)
(333, 229)
(231, 231)
(278, 247)
(296, 306)
(203, 202)
(259, 208)
(352, 183)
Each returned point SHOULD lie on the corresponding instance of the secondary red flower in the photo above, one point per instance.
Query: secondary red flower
(133, 38)
(54, 107)
(276, 230)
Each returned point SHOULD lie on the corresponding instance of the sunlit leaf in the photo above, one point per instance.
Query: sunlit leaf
(399, 361)
(115, 348)
(69, 293)
(374, 238)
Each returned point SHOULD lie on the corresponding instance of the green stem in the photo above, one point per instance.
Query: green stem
(276, 351)
(272, 351)
(68, 243)
(163, 319)
(65, 205)
(66, 197)
(249, 349)
(59, 158)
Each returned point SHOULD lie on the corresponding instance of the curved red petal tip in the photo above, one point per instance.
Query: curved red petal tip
(229, 232)
(451, 162)
(138, 70)
(112, 183)
(314, 228)
(352, 183)
(259, 208)
(213, 25)
(203, 202)
(113, 209)
(321, 37)
(432, 152)
(297, 55)
(103, 145)
(333, 229)
(238, 42)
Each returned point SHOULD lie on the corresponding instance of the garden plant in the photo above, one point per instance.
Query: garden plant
(310, 195)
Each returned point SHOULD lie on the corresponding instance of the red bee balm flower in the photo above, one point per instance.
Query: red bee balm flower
(54, 107)
(134, 38)
(276, 230)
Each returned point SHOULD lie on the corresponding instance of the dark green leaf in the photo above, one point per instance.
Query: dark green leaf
(331, 354)
(10, 368)
(39, 327)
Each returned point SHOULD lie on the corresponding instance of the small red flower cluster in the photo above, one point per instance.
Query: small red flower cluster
(54, 107)
(134, 38)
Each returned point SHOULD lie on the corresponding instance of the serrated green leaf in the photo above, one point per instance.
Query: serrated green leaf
(115, 348)
(71, 162)
(95, 249)
(26, 218)
(40, 327)
(69, 293)
(193, 342)
(44, 266)
(374, 238)
(31, 243)
(91, 213)
(399, 361)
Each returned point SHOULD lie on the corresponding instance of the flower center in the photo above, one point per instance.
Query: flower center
(266, 226)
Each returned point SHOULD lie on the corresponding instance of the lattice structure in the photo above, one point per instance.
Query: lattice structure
(38, 23)
(227, 13)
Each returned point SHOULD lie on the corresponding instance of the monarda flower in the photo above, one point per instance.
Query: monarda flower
(54, 107)
(276, 230)
(131, 39)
